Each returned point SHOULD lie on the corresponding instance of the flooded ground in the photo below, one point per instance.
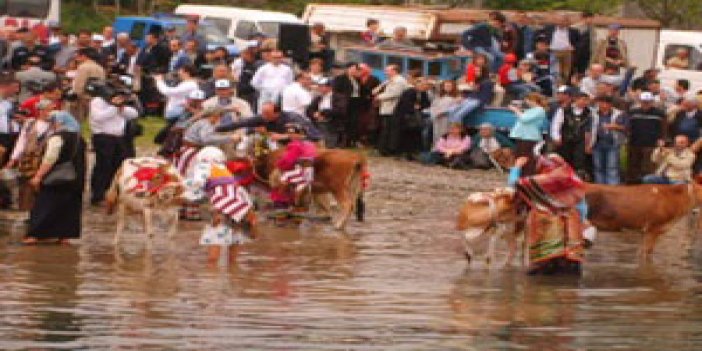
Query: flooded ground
(397, 282)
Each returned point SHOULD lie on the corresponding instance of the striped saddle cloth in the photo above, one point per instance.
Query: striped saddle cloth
(300, 177)
(230, 199)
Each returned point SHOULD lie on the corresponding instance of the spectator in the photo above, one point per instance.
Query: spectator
(681, 60)
(191, 33)
(231, 107)
(372, 34)
(87, 69)
(570, 130)
(594, 76)
(296, 97)
(489, 144)
(612, 51)
(347, 94)
(479, 67)
(586, 42)
(452, 149)
(319, 45)
(108, 120)
(316, 70)
(219, 72)
(324, 111)
(546, 67)
(63, 52)
(409, 112)
(564, 98)
(272, 78)
(474, 100)
(367, 113)
(527, 131)
(688, 121)
(511, 78)
(399, 41)
(196, 57)
(674, 165)
(388, 94)
(563, 41)
(50, 91)
(153, 58)
(84, 39)
(33, 77)
(108, 39)
(481, 38)
(57, 212)
(524, 25)
(177, 96)
(641, 84)
(447, 100)
(9, 130)
(648, 126)
(608, 135)
(179, 58)
(29, 47)
(249, 66)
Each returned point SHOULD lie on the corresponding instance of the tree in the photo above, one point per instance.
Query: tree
(595, 6)
(672, 13)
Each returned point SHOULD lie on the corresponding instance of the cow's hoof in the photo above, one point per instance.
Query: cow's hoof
(468, 256)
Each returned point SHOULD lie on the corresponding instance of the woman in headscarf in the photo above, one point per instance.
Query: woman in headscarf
(56, 214)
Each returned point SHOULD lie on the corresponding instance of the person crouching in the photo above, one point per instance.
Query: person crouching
(294, 170)
(232, 207)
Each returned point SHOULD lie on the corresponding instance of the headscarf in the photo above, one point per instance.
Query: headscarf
(66, 122)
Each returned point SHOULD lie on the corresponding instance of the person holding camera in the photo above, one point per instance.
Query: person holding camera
(87, 68)
(108, 121)
(178, 95)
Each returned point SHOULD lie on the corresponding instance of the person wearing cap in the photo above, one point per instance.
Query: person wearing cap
(647, 125)
(108, 120)
(27, 153)
(33, 74)
(688, 120)
(248, 54)
(272, 78)
(570, 128)
(177, 95)
(564, 97)
(297, 96)
(607, 136)
(219, 72)
(612, 50)
(234, 108)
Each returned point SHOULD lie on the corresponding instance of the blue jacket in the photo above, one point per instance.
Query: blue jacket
(178, 61)
(529, 125)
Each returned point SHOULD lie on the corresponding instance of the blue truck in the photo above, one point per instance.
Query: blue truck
(139, 27)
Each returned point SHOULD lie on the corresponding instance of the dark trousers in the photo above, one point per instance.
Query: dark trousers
(525, 148)
(639, 163)
(109, 154)
(351, 123)
(389, 139)
(7, 141)
(574, 154)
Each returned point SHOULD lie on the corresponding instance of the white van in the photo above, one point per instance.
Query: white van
(669, 43)
(239, 23)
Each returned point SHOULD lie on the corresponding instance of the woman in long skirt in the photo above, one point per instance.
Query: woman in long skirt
(56, 214)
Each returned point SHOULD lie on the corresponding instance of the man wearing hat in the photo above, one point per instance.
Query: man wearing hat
(647, 125)
(608, 135)
(233, 108)
(612, 51)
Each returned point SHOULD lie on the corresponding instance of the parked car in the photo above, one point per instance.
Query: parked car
(139, 27)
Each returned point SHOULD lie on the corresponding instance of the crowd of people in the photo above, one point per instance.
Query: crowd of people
(565, 87)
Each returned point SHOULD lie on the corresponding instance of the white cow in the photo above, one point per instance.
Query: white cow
(148, 186)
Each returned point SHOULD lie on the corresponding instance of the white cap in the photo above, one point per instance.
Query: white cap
(98, 37)
(563, 89)
(251, 44)
(223, 84)
(647, 96)
(196, 95)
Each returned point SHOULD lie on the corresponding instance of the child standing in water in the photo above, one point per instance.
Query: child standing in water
(231, 205)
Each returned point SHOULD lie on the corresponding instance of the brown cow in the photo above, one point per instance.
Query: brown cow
(648, 208)
(336, 172)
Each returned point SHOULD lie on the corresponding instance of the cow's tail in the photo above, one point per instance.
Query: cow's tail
(357, 186)
(112, 196)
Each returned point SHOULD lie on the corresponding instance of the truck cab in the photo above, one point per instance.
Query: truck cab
(139, 27)
(677, 42)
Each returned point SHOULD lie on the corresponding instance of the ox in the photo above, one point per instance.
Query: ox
(336, 172)
(648, 208)
(148, 186)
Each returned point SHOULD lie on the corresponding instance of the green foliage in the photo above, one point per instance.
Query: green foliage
(76, 15)
(672, 13)
(595, 6)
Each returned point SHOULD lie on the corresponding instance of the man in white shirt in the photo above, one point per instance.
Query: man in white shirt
(589, 84)
(108, 120)
(272, 78)
(563, 42)
(178, 95)
(297, 96)
(235, 109)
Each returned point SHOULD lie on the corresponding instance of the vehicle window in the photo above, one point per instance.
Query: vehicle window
(416, 65)
(375, 61)
(245, 29)
(211, 34)
(222, 24)
(681, 56)
(397, 60)
(455, 66)
(434, 68)
(28, 8)
(138, 31)
(271, 29)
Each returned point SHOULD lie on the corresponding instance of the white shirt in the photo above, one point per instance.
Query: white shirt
(8, 125)
(326, 102)
(560, 40)
(558, 120)
(40, 126)
(177, 95)
(296, 99)
(108, 119)
(236, 66)
(272, 78)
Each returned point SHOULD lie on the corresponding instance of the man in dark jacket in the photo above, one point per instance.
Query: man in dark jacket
(154, 58)
(563, 41)
(412, 121)
(30, 47)
(647, 126)
(570, 128)
(275, 122)
(249, 66)
(324, 112)
(347, 95)
(485, 38)
(688, 121)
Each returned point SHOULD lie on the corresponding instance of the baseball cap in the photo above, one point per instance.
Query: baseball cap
(223, 84)
(196, 95)
(647, 96)
(98, 37)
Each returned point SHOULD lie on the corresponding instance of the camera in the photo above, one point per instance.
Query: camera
(107, 90)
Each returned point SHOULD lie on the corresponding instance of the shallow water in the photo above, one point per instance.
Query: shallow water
(397, 282)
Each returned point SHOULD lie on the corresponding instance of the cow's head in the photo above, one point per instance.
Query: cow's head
(483, 209)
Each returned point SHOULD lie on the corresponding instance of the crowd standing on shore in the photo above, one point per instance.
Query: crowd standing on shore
(565, 87)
